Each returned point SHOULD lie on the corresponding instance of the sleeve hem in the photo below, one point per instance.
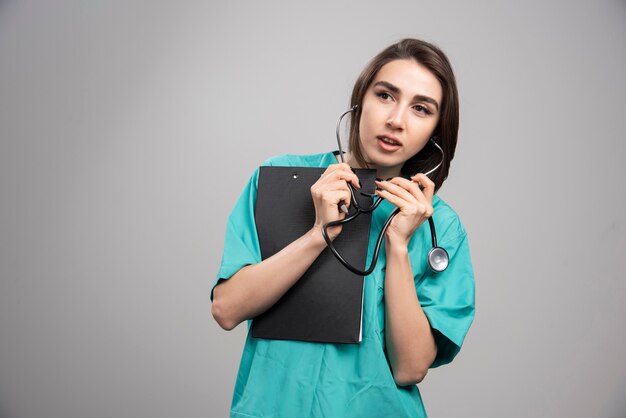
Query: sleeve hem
(225, 273)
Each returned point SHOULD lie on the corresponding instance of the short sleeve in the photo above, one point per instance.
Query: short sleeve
(241, 244)
(448, 297)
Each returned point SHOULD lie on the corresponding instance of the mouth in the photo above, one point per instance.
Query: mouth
(388, 143)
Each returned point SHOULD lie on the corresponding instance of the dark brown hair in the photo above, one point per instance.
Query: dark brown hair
(446, 131)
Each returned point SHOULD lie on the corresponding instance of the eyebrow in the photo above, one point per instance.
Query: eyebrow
(416, 98)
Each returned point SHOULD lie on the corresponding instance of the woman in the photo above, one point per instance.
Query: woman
(413, 318)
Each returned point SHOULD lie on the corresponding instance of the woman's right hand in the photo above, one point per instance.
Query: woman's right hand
(328, 192)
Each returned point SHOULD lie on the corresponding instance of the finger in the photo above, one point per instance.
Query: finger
(335, 167)
(396, 190)
(428, 186)
(324, 191)
(344, 174)
(396, 200)
(330, 169)
(334, 197)
(412, 187)
(337, 184)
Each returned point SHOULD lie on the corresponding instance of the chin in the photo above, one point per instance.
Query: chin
(386, 161)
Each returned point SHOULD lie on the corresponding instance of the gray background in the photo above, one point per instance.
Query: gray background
(128, 130)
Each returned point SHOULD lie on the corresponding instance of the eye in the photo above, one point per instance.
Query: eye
(421, 109)
(384, 95)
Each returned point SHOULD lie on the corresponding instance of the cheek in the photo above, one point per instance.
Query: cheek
(366, 122)
(423, 129)
(419, 147)
(433, 125)
(363, 127)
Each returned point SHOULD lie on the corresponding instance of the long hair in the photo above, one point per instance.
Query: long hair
(446, 131)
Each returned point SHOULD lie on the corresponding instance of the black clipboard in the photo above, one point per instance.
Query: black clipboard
(326, 303)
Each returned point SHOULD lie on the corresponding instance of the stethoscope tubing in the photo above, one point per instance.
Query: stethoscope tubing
(438, 258)
(379, 240)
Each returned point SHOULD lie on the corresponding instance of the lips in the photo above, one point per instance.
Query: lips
(388, 143)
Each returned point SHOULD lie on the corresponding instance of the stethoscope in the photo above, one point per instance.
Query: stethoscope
(438, 258)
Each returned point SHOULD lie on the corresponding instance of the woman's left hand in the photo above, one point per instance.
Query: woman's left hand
(415, 205)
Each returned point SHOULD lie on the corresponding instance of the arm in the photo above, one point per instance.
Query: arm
(256, 287)
(249, 292)
(410, 342)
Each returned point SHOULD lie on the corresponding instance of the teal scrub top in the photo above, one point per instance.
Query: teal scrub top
(289, 379)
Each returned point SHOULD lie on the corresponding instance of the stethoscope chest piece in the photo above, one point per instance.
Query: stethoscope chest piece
(438, 259)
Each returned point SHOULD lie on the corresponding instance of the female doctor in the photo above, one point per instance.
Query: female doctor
(413, 318)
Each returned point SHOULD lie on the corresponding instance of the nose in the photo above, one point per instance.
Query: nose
(396, 118)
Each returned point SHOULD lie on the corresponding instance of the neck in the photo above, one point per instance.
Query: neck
(381, 172)
(387, 172)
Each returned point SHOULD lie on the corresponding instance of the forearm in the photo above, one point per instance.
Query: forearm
(409, 339)
(255, 288)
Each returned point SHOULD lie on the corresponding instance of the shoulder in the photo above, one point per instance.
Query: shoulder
(322, 159)
(447, 222)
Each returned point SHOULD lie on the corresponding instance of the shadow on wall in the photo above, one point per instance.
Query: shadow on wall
(4, 12)
(3, 5)
(615, 406)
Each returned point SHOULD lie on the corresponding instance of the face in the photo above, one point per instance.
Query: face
(400, 111)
